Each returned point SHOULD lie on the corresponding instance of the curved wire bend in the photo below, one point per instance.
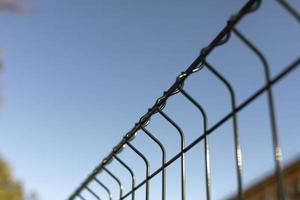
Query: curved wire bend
(92, 192)
(81, 197)
(147, 166)
(276, 146)
(206, 142)
(238, 150)
(290, 9)
(163, 151)
(117, 180)
(182, 146)
(131, 174)
(104, 187)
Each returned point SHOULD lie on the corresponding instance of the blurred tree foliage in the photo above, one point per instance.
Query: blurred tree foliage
(9, 188)
(11, 5)
(14, 6)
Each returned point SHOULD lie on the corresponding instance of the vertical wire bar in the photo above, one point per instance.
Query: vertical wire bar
(182, 146)
(290, 9)
(147, 166)
(131, 174)
(105, 188)
(93, 193)
(276, 146)
(81, 197)
(116, 179)
(206, 143)
(163, 151)
(238, 150)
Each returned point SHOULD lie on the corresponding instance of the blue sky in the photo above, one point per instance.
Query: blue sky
(78, 75)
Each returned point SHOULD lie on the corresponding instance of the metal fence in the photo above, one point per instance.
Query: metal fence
(178, 88)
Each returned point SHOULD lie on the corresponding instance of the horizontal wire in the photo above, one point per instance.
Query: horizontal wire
(215, 42)
(251, 98)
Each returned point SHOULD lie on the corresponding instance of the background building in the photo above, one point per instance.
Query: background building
(265, 189)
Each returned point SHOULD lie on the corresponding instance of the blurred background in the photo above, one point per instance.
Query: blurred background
(76, 75)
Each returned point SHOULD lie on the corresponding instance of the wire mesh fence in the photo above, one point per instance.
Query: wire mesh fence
(200, 63)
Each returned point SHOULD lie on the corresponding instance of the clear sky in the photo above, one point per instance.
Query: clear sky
(78, 74)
